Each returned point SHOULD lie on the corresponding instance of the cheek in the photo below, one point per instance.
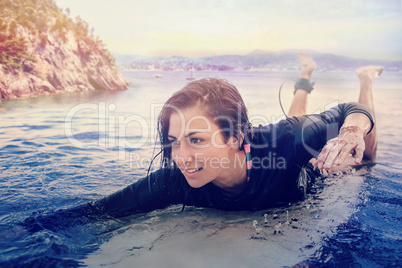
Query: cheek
(217, 140)
(216, 158)
(175, 155)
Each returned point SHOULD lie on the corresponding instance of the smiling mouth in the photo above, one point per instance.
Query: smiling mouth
(193, 170)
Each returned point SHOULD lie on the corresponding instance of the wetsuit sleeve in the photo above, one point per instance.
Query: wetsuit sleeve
(313, 131)
(156, 191)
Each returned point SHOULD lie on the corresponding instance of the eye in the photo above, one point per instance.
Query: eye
(195, 140)
(174, 142)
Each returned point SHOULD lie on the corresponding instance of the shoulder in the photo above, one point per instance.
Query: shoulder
(273, 140)
(280, 131)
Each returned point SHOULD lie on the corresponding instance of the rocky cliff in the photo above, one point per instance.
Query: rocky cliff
(43, 51)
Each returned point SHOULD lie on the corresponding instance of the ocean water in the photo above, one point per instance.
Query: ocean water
(60, 151)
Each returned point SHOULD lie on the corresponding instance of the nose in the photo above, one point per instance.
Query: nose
(184, 155)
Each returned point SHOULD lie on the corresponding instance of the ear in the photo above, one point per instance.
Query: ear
(232, 142)
(236, 142)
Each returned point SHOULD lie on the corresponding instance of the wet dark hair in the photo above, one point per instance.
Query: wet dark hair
(221, 102)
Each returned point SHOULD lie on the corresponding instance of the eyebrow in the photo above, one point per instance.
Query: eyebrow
(191, 133)
(188, 135)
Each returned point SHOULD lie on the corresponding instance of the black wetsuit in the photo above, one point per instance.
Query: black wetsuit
(279, 153)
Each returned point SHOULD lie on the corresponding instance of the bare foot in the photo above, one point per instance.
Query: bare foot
(369, 72)
(308, 64)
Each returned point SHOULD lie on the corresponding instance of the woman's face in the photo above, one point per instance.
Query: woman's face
(198, 147)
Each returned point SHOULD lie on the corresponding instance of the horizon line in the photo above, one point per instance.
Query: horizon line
(254, 50)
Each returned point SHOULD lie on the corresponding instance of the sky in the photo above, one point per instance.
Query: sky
(370, 29)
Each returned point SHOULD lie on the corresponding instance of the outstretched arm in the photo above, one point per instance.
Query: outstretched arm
(156, 191)
(349, 141)
(159, 190)
(332, 135)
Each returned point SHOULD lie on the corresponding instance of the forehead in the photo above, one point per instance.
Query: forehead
(192, 119)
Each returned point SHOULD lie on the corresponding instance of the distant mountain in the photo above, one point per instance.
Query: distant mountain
(255, 60)
(122, 59)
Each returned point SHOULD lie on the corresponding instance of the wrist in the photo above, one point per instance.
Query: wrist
(359, 120)
(352, 129)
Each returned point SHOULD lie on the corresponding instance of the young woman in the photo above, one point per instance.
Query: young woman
(212, 157)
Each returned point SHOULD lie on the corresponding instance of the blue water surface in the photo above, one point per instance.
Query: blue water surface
(62, 151)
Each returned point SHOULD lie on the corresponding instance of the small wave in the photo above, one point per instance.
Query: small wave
(53, 143)
(56, 137)
(73, 149)
(54, 121)
(128, 149)
(75, 166)
(29, 143)
(70, 148)
(93, 135)
(10, 146)
(82, 159)
(15, 149)
(49, 155)
(36, 163)
(37, 127)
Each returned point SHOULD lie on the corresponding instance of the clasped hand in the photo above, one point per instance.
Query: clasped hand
(337, 150)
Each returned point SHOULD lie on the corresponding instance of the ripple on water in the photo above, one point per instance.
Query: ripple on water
(93, 135)
(74, 166)
(29, 143)
(52, 143)
(10, 147)
(50, 155)
(57, 122)
(36, 163)
(36, 127)
(126, 149)
(56, 137)
(76, 150)
(55, 176)
(15, 149)
(82, 159)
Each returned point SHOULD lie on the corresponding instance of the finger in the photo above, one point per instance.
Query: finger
(329, 161)
(333, 154)
(359, 154)
(337, 161)
(314, 162)
(345, 152)
(340, 158)
(323, 155)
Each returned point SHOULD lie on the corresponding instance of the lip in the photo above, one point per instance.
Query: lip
(192, 171)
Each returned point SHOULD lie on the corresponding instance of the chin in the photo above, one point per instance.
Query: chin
(196, 184)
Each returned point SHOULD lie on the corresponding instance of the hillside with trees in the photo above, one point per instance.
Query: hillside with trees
(44, 51)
